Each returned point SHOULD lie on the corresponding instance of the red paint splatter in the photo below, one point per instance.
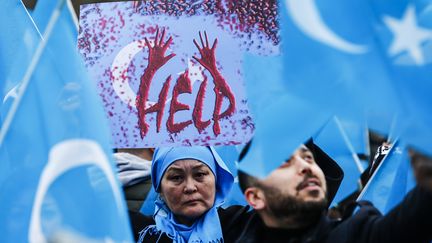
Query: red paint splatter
(240, 16)
(122, 21)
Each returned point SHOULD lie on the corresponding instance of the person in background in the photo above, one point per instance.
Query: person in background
(133, 169)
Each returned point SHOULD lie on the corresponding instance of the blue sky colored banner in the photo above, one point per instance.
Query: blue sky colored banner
(189, 89)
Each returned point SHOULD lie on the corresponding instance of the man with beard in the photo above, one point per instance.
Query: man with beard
(290, 205)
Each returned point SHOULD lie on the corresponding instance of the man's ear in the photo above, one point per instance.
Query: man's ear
(255, 197)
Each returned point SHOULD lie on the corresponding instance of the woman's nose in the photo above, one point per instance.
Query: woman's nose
(190, 186)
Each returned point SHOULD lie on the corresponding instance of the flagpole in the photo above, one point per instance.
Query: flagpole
(30, 70)
(32, 20)
(72, 13)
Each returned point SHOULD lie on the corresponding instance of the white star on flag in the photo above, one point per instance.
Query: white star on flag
(408, 36)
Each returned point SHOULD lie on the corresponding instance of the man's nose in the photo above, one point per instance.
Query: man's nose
(304, 167)
(190, 186)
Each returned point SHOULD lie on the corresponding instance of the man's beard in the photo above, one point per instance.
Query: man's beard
(297, 210)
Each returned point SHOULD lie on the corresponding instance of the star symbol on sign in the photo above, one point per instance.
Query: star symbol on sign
(408, 36)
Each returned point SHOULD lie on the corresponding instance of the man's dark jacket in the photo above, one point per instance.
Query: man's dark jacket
(410, 221)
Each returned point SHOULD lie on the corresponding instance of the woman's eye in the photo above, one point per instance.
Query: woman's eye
(175, 178)
(200, 174)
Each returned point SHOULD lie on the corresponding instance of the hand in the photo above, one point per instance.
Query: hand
(208, 57)
(422, 166)
(157, 57)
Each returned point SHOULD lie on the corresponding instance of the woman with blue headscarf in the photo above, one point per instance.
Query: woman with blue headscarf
(191, 182)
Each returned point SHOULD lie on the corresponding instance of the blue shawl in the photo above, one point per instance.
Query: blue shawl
(207, 228)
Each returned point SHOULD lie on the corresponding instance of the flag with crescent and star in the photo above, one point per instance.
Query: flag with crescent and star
(57, 181)
(363, 60)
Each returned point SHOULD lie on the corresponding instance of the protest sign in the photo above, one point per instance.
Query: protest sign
(170, 74)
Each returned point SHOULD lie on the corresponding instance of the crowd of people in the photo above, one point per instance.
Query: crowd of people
(289, 205)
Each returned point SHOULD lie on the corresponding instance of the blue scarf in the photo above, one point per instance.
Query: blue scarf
(207, 228)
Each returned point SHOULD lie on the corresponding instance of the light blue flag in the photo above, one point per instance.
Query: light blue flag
(18, 43)
(405, 34)
(264, 82)
(58, 181)
(280, 129)
(283, 121)
(334, 58)
(391, 181)
(358, 135)
(333, 139)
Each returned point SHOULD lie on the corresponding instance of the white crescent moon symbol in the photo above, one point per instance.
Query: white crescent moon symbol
(307, 18)
(65, 156)
(119, 71)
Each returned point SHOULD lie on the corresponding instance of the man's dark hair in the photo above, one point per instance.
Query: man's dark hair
(246, 180)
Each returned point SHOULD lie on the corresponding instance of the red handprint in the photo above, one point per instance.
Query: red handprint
(208, 57)
(156, 60)
(157, 57)
(222, 89)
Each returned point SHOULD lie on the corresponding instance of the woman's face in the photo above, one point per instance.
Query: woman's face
(188, 188)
